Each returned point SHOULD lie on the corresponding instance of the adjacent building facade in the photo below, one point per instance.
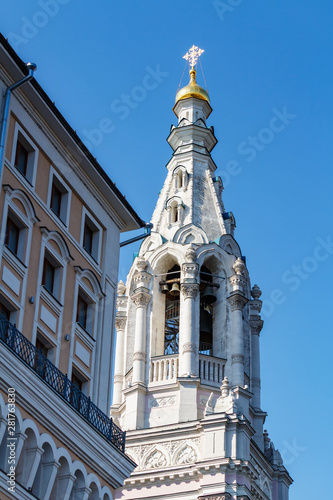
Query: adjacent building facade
(187, 369)
(60, 218)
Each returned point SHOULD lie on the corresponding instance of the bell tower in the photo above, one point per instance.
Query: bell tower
(187, 370)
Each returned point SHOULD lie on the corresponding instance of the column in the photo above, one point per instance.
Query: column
(237, 301)
(256, 327)
(189, 344)
(141, 299)
(118, 378)
(256, 324)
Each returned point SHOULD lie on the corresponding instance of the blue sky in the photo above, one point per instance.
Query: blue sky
(262, 60)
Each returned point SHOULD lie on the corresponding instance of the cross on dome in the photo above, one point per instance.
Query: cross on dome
(193, 55)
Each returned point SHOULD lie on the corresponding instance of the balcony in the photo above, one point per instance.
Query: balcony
(56, 380)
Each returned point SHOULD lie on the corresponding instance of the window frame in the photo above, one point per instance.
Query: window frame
(96, 245)
(65, 197)
(22, 138)
(57, 270)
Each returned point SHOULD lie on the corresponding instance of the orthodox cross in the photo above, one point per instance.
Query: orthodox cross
(193, 55)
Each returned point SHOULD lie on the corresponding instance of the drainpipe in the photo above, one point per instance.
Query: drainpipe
(31, 67)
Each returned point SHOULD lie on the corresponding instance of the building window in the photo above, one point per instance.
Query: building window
(59, 199)
(85, 311)
(4, 311)
(7, 310)
(171, 290)
(25, 157)
(15, 235)
(51, 275)
(79, 386)
(91, 238)
(21, 158)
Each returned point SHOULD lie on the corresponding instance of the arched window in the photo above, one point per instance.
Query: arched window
(180, 177)
(207, 299)
(175, 210)
(171, 289)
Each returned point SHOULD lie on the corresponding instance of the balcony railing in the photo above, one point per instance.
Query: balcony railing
(60, 383)
(211, 370)
(164, 368)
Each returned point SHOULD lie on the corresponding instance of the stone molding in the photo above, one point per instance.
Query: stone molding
(142, 277)
(237, 302)
(141, 298)
(190, 267)
(189, 290)
(139, 355)
(117, 378)
(238, 282)
(189, 347)
(160, 402)
(121, 302)
(190, 254)
(120, 323)
(225, 496)
(237, 358)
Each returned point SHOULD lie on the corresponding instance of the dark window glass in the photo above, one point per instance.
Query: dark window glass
(12, 236)
(41, 347)
(21, 158)
(56, 200)
(82, 312)
(4, 311)
(88, 238)
(48, 275)
(76, 382)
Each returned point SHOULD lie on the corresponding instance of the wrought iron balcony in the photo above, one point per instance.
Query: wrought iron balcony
(54, 378)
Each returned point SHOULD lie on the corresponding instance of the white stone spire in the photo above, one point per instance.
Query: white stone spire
(187, 376)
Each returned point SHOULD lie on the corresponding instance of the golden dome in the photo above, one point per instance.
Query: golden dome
(192, 89)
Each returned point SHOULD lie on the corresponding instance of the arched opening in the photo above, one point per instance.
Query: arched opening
(79, 486)
(27, 458)
(44, 472)
(207, 299)
(94, 494)
(61, 482)
(174, 212)
(171, 289)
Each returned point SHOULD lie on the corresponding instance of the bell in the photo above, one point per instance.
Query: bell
(175, 289)
(208, 296)
(206, 324)
(164, 289)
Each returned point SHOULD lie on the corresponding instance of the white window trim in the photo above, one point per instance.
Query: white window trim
(53, 173)
(85, 214)
(18, 129)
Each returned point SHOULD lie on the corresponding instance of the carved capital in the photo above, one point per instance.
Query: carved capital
(237, 358)
(237, 302)
(120, 323)
(139, 355)
(190, 290)
(256, 326)
(141, 298)
(189, 347)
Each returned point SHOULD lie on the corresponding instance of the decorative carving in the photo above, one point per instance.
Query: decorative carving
(190, 290)
(238, 283)
(226, 403)
(203, 400)
(141, 263)
(189, 347)
(190, 254)
(256, 326)
(237, 358)
(141, 298)
(239, 267)
(256, 292)
(120, 323)
(121, 288)
(186, 456)
(160, 402)
(121, 302)
(237, 302)
(139, 355)
(155, 459)
(142, 278)
(118, 378)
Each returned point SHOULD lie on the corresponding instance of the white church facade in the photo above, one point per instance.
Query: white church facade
(187, 369)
